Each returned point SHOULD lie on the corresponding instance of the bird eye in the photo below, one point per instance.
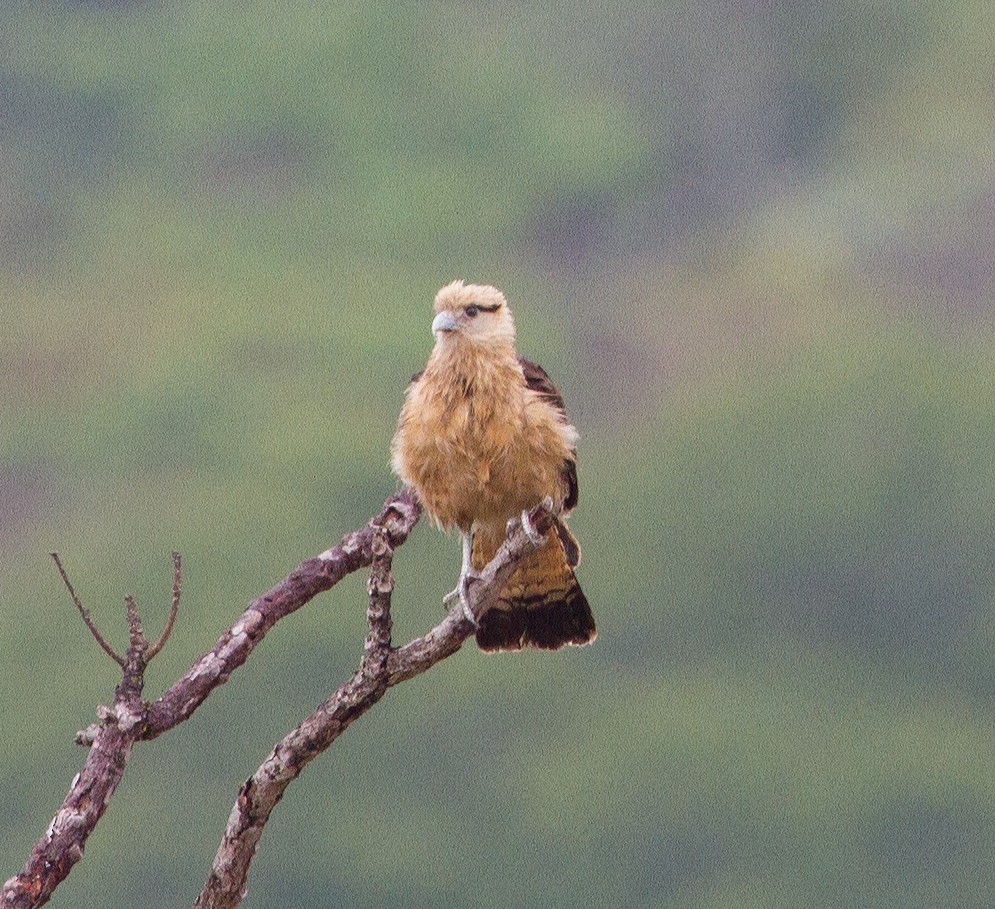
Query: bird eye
(472, 311)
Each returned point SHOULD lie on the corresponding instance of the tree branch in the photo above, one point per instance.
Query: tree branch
(380, 668)
(93, 787)
(131, 719)
(260, 794)
(398, 517)
(173, 608)
(85, 613)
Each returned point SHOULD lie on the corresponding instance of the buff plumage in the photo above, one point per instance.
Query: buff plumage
(481, 437)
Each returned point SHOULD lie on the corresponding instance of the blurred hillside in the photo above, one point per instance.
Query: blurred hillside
(752, 243)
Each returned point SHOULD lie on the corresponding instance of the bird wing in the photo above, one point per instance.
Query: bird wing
(539, 381)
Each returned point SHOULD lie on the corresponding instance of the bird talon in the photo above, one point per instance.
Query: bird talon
(535, 538)
(468, 612)
(461, 593)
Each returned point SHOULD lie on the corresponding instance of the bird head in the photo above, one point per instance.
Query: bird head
(474, 313)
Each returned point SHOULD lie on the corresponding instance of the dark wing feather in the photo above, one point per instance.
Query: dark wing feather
(538, 381)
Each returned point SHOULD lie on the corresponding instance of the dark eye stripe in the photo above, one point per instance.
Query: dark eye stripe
(477, 307)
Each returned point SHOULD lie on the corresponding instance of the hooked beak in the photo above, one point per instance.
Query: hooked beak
(444, 321)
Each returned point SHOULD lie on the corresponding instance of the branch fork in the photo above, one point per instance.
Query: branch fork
(130, 719)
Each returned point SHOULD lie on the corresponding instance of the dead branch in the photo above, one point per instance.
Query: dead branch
(110, 741)
(399, 515)
(131, 719)
(173, 608)
(85, 613)
(380, 668)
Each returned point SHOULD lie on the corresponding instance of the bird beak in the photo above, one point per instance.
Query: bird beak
(444, 321)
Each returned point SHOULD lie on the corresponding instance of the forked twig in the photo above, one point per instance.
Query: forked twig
(173, 609)
(85, 613)
(131, 719)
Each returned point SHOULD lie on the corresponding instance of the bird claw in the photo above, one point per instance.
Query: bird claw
(460, 593)
(535, 538)
(468, 613)
(466, 574)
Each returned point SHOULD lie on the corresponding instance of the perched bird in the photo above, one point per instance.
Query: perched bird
(483, 437)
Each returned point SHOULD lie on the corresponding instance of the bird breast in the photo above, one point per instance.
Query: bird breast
(478, 447)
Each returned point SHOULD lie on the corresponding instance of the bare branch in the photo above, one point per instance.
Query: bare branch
(173, 609)
(261, 793)
(130, 719)
(61, 847)
(399, 515)
(111, 741)
(85, 613)
(379, 669)
(381, 584)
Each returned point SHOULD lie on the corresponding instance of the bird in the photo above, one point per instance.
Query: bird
(483, 437)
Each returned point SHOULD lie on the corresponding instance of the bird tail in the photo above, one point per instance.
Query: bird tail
(542, 604)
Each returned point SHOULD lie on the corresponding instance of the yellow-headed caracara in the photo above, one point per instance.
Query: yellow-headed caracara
(483, 437)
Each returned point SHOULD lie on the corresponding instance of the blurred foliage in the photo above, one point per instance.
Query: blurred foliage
(753, 244)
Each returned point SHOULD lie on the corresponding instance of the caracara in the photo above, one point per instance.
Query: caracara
(482, 438)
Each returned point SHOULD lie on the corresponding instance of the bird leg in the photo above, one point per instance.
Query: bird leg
(466, 574)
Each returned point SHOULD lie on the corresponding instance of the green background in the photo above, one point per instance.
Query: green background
(754, 244)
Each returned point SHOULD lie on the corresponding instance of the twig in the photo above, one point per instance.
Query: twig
(136, 633)
(85, 613)
(173, 609)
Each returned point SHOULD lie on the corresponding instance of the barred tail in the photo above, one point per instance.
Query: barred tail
(542, 605)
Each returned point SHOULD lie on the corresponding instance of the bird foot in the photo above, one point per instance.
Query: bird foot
(535, 538)
(460, 593)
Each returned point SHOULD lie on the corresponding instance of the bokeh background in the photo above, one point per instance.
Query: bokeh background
(753, 242)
